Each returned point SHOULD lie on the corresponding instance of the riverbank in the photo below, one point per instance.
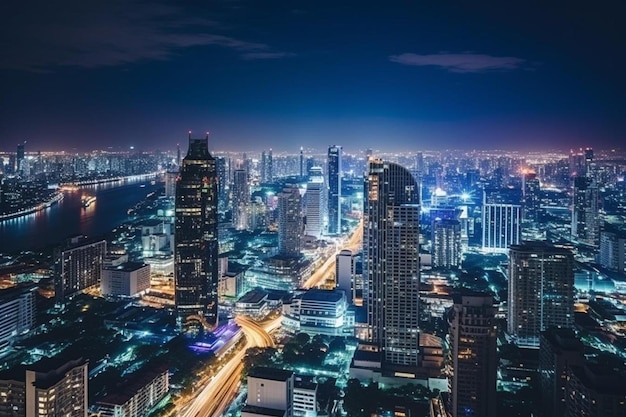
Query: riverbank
(96, 181)
(56, 197)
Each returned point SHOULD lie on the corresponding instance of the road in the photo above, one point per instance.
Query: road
(218, 393)
(354, 243)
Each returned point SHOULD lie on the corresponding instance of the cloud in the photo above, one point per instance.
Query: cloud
(266, 55)
(465, 62)
(112, 33)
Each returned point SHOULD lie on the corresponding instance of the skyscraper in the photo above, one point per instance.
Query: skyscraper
(301, 162)
(270, 167)
(334, 189)
(446, 245)
(501, 220)
(263, 173)
(315, 208)
(78, 266)
(474, 361)
(531, 197)
(20, 158)
(289, 222)
(541, 290)
(392, 268)
(241, 199)
(585, 214)
(196, 245)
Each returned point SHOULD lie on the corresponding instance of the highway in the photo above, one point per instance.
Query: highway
(354, 243)
(218, 393)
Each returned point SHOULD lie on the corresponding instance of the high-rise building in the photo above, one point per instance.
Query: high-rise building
(344, 273)
(585, 214)
(20, 158)
(473, 333)
(17, 310)
(613, 250)
(315, 207)
(78, 266)
(241, 199)
(45, 389)
(289, 222)
(501, 220)
(541, 290)
(301, 162)
(196, 243)
(391, 264)
(263, 173)
(446, 243)
(270, 167)
(334, 189)
(559, 351)
(531, 189)
(596, 390)
(222, 182)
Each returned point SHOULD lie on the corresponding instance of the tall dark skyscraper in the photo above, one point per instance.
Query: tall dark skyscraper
(20, 158)
(301, 162)
(270, 166)
(585, 214)
(531, 204)
(196, 245)
(392, 267)
(474, 360)
(334, 189)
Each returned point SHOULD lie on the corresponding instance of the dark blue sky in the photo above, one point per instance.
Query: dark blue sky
(390, 75)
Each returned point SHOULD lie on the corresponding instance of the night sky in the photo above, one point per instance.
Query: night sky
(391, 75)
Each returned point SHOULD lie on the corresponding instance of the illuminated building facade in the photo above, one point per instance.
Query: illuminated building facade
(391, 263)
(541, 290)
(196, 244)
(289, 222)
(501, 221)
(334, 189)
(446, 247)
(473, 333)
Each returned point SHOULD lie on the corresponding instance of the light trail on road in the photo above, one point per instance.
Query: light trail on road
(217, 394)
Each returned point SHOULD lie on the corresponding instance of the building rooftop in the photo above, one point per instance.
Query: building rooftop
(128, 266)
(315, 294)
(130, 386)
(273, 374)
(255, 409)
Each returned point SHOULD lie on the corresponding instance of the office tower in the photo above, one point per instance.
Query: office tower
(301, 162)
(473, 333)
(78, 266)
(263, 167)
(596, 390)
(170, 183)
(20, 158)
(315, 207)
(45, 389)
(289, 222)
(531, 189)
(559, 350)
(392, 268)
(446, 244)
(585, 214)
(344, 273)
(334, 189)
(222, 183)
(17, 310)
(577, 166)
(613, 250)
(541, 290)
(195, 241)
(241, 199)
(270, 167)
(501, 220)
(247, 165)
(270, 393)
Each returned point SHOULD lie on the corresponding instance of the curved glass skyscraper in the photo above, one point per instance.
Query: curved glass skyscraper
(392, 267)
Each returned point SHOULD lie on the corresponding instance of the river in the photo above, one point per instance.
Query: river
(69, 217)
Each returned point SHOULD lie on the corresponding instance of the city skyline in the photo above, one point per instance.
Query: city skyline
(259, 76)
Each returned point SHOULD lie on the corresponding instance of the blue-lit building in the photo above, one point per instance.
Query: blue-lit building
(334, 189)
(319, 312)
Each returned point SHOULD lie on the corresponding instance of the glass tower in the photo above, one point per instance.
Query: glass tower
(334, 189)
(392, 267)
(196, 245)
